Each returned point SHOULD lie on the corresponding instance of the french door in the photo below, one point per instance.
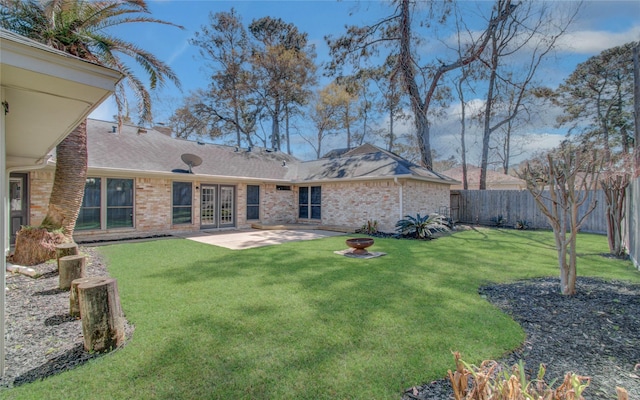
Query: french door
(217, 206)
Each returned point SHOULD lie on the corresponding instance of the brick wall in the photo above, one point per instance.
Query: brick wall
(153, 205)
(352, 204)
(349, 204)
(40, 184)
(424, 197)
(277, 206)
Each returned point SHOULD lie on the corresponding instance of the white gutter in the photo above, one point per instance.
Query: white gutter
(124, 172)
(375, 178)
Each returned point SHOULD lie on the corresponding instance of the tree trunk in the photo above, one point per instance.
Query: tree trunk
(615, 189)
(70, 268)
(286, 121)
(102, 317)
(636, 108)
(74, 302)
(68, 183)
(419, 108)
(486, 136)
(65, 249)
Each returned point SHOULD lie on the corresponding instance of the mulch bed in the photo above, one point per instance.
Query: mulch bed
(595, 333)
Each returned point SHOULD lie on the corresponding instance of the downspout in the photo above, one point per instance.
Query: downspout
(401, 207)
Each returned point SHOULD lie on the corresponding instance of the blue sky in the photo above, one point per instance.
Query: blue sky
(600, 25)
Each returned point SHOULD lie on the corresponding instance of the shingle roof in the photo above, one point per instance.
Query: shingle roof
(154, 152)
(366, 162)
(495, 179)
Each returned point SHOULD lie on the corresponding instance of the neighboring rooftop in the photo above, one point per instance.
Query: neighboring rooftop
(495, 180)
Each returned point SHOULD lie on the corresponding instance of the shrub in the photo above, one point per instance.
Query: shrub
(422, 227)
(490, 381)
(370, 228)
(522, 224)
(499, 221)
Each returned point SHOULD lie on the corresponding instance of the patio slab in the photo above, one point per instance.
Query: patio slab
(250, 238)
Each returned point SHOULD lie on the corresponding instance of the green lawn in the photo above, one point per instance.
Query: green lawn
(296, 321)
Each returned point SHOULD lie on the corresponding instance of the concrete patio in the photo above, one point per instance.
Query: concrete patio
(250, 238)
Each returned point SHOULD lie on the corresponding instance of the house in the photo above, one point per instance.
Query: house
(142, 182)
(495, 180)
(44, 94)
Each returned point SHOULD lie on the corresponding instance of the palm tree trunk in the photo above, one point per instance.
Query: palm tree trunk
(68, 183)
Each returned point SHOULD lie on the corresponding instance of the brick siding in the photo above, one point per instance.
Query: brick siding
(348, 204)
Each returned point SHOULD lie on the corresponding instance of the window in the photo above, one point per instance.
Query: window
(182, 202)
(119, 203)
(107, 203)
(253, 202)
(89, 216)
(309, 202)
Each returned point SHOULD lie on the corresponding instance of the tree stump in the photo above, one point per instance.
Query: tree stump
(65, 249)
(70, 268)
(102, 317)
(74, 302)
(35, 245)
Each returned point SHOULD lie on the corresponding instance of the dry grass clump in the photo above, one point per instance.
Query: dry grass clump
(490, 381)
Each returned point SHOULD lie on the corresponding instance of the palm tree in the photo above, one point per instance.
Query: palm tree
(79, 27)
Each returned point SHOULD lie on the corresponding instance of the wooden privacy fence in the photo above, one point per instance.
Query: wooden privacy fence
(483, 207)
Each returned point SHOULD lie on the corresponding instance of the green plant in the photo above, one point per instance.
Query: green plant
(499, 221)
(522, 224)
(370, 228)
(422, 227)
(490, 381)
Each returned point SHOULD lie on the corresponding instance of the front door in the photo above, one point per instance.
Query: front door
(217, 206)
(19, 207)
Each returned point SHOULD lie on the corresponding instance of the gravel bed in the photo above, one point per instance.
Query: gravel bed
(595, 333)
(41, 338)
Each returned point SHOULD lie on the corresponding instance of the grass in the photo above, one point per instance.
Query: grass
(297, 321)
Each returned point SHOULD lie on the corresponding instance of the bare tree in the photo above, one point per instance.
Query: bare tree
(532, 30)
(395, 31)
(560, 186)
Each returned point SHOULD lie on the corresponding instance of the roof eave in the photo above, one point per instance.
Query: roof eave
(373, 178)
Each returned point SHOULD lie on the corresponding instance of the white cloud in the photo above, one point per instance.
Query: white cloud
(594, 42)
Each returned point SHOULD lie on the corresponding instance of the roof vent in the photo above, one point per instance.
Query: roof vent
(141, 131)
(249, 149)
(237, 149)
(113, 128)
(191, 160)
(284, 163)
(200, 142)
